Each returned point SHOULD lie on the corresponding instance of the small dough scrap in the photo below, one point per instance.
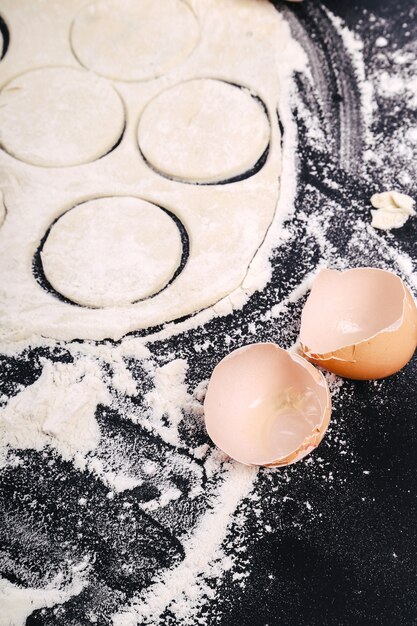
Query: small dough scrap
(203, 131)
(111, 252)
(134, 40)
(64, 117)
(392, 209)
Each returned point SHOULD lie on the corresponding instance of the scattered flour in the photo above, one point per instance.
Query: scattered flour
(167, 399)
(202, 548)
(58, 410)
(17, 603)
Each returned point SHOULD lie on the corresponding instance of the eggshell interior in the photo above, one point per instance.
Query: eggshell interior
(361, 323)
(264, 405)
(345, 308)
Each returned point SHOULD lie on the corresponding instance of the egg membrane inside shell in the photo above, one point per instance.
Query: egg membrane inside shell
(360, 323)
(265, 406)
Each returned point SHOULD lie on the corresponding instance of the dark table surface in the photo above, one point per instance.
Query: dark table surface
(349, 557)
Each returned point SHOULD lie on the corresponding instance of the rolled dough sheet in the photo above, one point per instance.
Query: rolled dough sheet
(241, 42)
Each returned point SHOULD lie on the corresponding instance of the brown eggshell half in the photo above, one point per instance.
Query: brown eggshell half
(360, 323)
(266, 406)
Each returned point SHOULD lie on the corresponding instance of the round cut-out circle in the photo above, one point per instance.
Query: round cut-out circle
(203, 131)
(133, 40)
(58, 117)
(111, 252)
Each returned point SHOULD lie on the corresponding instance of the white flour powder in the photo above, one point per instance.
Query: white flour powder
(17, 603)
(57, 410)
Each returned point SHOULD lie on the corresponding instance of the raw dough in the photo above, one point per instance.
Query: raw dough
(134, 40)
(392, 209)
(245, 42)
(203, 131)
(59, 117)
(111, 251)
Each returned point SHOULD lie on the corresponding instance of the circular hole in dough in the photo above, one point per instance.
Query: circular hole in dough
(204, 131)
(134, 40)
(111, 252)
(4, 38)
(57, 117)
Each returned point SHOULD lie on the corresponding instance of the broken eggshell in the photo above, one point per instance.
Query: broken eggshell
(266, 406)
(359, 323)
